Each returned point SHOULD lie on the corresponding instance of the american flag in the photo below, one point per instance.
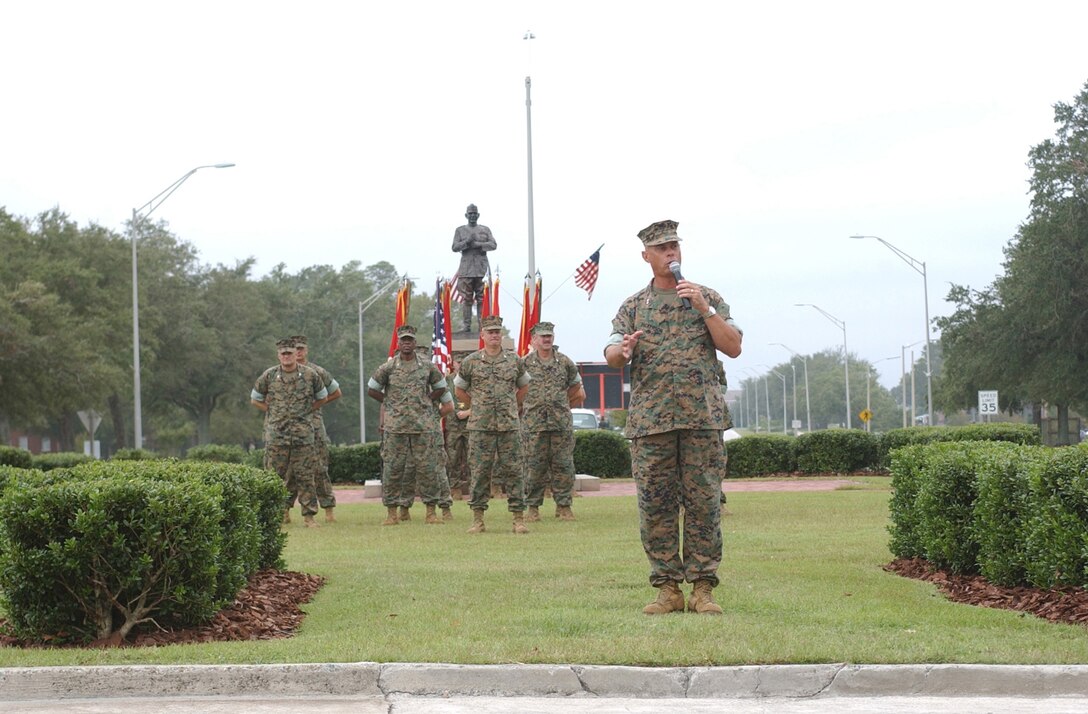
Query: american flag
(440, 345)
(586, 275)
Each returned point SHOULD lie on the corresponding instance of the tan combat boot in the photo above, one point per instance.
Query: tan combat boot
(477, 521)
(309, 522)
(702, 599)
(431, 518)
(669, 599)
(287, 516)
(329, 517)
(564, 513)
(390, 516)
(447, 515)
(405, 515)
(534, 514)
(519, 523)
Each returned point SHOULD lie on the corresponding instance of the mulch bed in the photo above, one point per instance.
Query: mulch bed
(268, 608)
(1068, 605)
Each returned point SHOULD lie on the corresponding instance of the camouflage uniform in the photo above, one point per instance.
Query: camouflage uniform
(676, 417)
(326, 498)
(548, 429)
(457, 449)
(494, 442)
(411, 439)
(288, 428)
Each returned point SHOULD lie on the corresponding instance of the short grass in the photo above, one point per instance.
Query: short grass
(801, 583)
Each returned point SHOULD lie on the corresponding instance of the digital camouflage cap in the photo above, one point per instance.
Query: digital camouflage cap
(658, 233)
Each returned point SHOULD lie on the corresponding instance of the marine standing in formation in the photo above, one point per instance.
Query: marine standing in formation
(408, 386)
(547, 425)
(492, 382)
(472, 241)
(288, 394)
(326, 498)
(675, 420)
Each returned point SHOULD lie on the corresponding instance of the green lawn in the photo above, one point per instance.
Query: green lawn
(801, 583)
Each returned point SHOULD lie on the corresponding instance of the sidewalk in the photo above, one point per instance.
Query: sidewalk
(483, 689)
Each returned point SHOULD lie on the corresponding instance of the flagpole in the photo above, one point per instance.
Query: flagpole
(529, 150)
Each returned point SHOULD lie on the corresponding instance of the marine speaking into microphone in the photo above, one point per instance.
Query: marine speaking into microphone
(675, 268)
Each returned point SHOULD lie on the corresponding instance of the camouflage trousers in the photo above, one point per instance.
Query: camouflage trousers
(549, 461)
(298, 467)
(326, 498)
(495, 456)
(680, 472)
(411, 462)
(457, 459)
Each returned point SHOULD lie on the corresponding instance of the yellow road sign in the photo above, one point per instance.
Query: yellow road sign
(865, 415)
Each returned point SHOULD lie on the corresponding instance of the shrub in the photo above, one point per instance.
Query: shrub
(134, 455)
(1025, 434)
(759, 454)
(254, 458)
(12, 456)
(907, 468)
(60, 460)
(1001, 511)
(355, 464)
(946, 498)
(223, 453)
(12, 474)
(605, 454)
(836, 450)
(1057, 528)
(76, 556)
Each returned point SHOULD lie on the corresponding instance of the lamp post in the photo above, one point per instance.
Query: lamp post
(148, 208)
(903, 379)
(783, 378)
(868, 383)
(919, 267)
(808, 409)
(754, 379)
(845, 352)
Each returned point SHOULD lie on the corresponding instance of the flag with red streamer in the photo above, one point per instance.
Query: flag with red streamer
(530, 314)
(404, 304)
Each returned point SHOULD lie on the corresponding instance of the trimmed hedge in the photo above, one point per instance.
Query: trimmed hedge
(1016, 514)
(760, 454)
(223, 453)
(601, 453)
(134, 455)
(13, 456)
(82, 549)
(355, 464)
(835, 451)
(11, 474)
(1024, 434)
(59, 460)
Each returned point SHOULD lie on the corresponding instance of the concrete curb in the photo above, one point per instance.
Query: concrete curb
(382, 680)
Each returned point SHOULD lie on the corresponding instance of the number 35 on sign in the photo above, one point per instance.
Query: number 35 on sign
(987, 402)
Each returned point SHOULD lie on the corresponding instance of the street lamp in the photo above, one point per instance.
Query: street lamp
(783, 400)
(920, 268)
(808, 410)
(754, 379)
(148, 208)
(868, 383)
(903, 380)
(845, 353)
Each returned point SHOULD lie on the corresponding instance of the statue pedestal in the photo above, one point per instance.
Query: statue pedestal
(468, 342)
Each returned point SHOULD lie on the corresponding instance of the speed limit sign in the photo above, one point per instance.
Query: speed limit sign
(987, 402)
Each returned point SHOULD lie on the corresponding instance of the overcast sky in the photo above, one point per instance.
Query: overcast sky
(771, 131)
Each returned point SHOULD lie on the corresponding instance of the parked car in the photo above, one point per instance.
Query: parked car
(585, 419)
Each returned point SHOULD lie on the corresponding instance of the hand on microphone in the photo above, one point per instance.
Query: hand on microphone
(675, 268)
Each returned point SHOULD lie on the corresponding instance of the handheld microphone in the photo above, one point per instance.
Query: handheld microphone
(675, 268)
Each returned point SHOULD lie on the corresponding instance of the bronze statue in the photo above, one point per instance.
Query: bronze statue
(472, 241)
